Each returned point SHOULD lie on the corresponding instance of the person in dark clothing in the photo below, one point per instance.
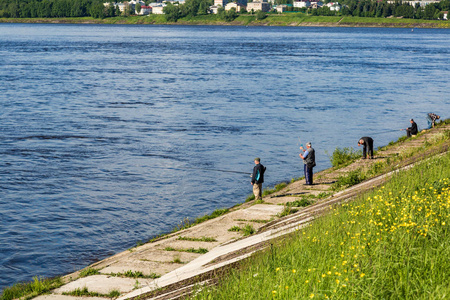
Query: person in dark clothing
(431, 118)
(309, 160)
(258, 178)
(412, 130)
(367, 143)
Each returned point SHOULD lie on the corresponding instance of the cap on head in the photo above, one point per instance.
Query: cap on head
(412, 120)
(308, 144)
(257, 159)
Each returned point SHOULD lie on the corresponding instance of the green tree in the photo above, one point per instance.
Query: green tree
(429, 13)
(171, 12)
(260, 15)
(138, 8)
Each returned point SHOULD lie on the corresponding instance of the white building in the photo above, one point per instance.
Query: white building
(282, 8)
(255, 6)
(334, 6)
(214, 9)
(158, 9)
(237, 6)
(220, 3)
(316, 4)
(302, 4)
(413, 3)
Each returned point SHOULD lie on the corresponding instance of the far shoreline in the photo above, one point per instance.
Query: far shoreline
(283, 20)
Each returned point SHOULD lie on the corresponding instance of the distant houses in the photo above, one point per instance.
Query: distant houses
(258, 5)
(129, 7)
(237, 6)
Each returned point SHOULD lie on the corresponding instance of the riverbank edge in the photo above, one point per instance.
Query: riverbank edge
(270, 20)
(63, 279)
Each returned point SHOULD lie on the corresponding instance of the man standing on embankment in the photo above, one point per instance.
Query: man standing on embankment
(258, 178)
(309, 159)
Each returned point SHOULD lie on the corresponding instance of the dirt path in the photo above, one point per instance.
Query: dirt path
(180, 258)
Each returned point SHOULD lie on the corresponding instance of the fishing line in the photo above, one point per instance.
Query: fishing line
(386, 131)
(203, 169)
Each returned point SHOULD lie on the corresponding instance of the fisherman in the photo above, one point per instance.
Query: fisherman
(309, 160)
(431, 118)
(411, 130)
(367, 143)
(258, 178)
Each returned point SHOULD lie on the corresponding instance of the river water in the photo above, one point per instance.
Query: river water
(111, 135)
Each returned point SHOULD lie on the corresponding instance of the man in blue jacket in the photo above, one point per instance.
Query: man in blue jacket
(309, 159)
(258, 178)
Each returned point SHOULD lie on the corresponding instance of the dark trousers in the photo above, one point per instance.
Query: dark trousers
(308, 174)
(368, 147)
(408, 133)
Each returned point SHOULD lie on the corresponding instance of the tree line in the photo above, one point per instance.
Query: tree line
(192, 8)
(371, 9)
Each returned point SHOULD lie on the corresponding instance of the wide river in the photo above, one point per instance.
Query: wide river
(110, 135)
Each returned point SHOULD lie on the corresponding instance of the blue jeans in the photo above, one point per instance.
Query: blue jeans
(430, 122)
(308, 175)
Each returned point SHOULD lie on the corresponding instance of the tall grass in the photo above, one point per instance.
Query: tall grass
(30, 289)
(343, 157)
(392, 243)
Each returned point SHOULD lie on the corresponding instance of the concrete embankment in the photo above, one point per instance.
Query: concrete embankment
(200, 253)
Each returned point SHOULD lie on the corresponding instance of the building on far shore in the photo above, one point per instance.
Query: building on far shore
(237, 6)
(302, 4)
(145, 10)
(413, 3)
(445, 16)
(214, 9)
(220, 3)
(158, 9)
(255, 6)
(282, 8)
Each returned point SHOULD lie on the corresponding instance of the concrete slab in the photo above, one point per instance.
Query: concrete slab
(161, 256)
(103, 284)
(63, 297)
(147, 268)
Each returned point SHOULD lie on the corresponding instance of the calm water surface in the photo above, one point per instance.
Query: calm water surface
(108, 134)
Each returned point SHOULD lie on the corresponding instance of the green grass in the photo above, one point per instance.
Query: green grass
(342, 157)
(402, 21)
(302, 202)
(202, 239)
(191, 250)
(287, 211)
(351, 178)
(88, 272)
(84, 292)
(277, 188)
(247, 229)
(135, 274)
(235, 228)
(177, 260)
(390, 243)
(187, 223)
(30, 290)
(287, 19)
(254, 220)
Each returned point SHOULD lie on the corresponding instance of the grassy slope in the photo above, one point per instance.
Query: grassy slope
(392, 243)
(290, 19)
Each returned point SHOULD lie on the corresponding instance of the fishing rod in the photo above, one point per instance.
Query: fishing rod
(204, 169)
(386, 131)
